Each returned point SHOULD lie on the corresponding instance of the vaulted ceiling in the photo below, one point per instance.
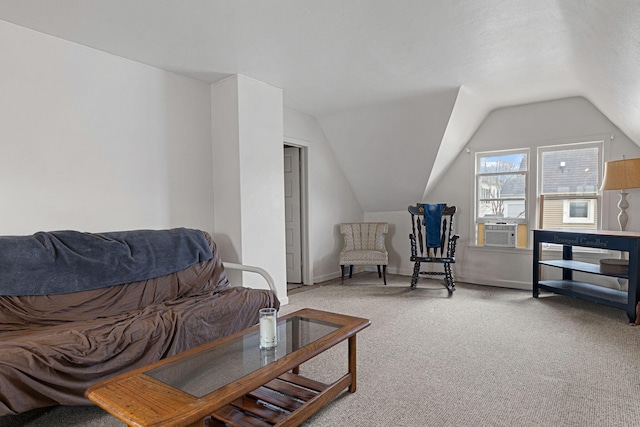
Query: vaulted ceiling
(406, 81)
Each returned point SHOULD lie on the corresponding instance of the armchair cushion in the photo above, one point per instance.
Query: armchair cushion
(364, 243)
(364, 258)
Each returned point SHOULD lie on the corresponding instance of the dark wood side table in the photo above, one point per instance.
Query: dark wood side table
(626, 241)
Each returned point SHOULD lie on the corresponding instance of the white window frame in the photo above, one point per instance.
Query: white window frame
(594, 196)
(477, 190)
(566, 212)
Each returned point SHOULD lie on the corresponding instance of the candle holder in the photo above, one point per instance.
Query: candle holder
(268, 328)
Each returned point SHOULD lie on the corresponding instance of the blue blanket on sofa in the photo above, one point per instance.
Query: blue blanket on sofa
(60, 262)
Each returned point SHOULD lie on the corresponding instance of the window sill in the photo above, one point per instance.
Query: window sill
(593, 252)
(499, 249)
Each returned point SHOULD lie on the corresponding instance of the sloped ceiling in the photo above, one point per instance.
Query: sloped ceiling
(406, 82)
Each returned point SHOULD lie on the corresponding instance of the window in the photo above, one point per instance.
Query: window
(501, 186)
(578, 211)
(568, 183)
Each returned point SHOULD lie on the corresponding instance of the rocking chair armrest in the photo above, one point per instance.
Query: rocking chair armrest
(414, 248)
(453, 242)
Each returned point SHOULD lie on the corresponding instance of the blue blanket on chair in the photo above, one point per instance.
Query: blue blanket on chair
(432, 222)
(61, 262)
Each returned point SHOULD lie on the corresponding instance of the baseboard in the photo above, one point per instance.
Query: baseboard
(283, 300)
(511, 284)
(338, 274)
(325, 277)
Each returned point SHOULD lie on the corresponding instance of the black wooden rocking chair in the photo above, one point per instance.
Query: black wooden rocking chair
(433, 241)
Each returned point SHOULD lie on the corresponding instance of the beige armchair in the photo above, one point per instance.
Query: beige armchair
(364, 245)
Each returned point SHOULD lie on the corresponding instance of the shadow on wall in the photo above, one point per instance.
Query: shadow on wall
(338, 245)
(225, 248)
(228, 253)
(394, 256)
(328, 267)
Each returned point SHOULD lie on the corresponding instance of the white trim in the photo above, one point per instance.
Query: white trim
(477, 175)
(303, 145)
(297, 142)
(576, 144)
(498, 283)
(566, 212)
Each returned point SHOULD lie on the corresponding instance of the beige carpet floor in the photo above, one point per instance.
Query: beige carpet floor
(483, 357)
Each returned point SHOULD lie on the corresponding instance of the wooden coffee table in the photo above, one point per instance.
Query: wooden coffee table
(231, 381)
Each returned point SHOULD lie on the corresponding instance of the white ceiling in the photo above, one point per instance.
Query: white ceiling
(339, 59)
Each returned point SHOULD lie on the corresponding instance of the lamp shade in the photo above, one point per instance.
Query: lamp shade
(621, 174)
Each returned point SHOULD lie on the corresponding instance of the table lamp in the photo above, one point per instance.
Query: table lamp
(621, 175)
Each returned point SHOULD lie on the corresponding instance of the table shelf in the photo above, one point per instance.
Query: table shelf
(585, 267)
(586, 291)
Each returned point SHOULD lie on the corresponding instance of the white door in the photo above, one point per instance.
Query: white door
(292, 214)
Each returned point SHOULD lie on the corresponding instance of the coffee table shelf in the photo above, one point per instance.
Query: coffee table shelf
(230, 381)
(272, 402)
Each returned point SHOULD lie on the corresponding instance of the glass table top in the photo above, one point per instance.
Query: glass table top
(205, 371)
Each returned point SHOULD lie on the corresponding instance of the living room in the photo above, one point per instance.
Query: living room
(105, 132)
(98, 139)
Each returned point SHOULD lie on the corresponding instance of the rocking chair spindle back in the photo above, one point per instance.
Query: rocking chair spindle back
(424, 250)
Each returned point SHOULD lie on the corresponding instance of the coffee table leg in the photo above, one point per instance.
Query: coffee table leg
(352, 363)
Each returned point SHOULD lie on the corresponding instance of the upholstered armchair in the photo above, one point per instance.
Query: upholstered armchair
(364, 245)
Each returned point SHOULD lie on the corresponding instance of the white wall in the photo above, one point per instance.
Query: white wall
(247, 129)
(532, 125)
(387, 150)
(331, 199)
(95, 142)
(226, 168)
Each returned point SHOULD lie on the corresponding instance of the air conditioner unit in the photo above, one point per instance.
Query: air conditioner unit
(504, 235)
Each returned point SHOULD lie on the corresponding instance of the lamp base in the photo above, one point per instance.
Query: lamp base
(623, 204)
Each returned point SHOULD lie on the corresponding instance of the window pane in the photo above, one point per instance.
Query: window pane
(502, 186)
(515, 208)
(569, 178)
(579, 209)
(570, 171)
(503, 163)
(501, 209)
(581, 212)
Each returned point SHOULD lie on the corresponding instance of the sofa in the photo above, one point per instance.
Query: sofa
(77, 308)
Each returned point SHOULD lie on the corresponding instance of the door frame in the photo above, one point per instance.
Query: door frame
(303, 146)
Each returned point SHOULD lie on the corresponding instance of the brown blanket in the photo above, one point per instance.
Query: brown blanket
(53, 347)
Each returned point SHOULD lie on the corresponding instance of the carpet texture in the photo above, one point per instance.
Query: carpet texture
(482, 357)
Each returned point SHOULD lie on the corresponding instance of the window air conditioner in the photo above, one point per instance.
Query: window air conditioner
(504, 235)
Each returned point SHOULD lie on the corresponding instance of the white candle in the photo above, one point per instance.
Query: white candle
(267, 332)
